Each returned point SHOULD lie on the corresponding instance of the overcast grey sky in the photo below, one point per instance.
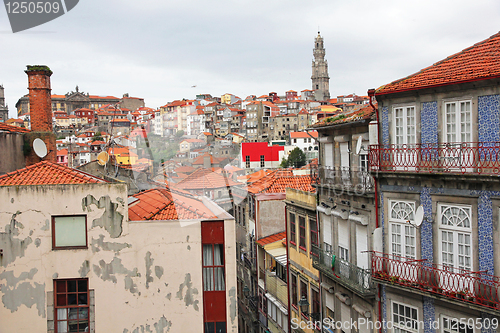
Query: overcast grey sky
(159, 49)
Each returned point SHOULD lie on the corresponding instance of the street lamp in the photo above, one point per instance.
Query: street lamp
(304, 307)
(246, 291)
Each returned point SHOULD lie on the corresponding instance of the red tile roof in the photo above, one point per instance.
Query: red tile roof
(47, 173)
(277, 182)
(253, 177)
(205, 179)
(201, 159)
(13, 129)
(271, 239)
(166, 204)
(478, 62)
(184, 169)
(298, 135)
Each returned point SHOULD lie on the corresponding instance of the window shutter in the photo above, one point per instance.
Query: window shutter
(343, 230)
(362, 246)
(328, 154)
(327, 229)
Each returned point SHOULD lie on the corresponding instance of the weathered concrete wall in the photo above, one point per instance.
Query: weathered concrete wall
(146, 276)
(271, 217)
(11, 150)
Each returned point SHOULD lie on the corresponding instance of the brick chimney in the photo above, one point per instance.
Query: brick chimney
(40, 113)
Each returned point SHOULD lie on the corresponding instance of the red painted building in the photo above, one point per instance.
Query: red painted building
(260, 155)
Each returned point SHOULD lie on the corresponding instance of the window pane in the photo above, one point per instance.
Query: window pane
(207, 255)
(209, 328)
(218, 254)
(219, 278)
(70, 231)
(220, 327)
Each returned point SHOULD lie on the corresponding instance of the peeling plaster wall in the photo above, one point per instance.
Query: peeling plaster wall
(148, 273)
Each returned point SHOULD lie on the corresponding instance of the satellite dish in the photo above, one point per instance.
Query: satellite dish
(129, 117)
(40, 148)
(358, 145)
(419, 215)
(102, 158)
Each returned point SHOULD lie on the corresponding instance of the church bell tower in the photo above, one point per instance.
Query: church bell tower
(320, 78)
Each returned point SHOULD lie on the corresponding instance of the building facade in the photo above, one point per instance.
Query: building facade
(437, 169)
(347, 220)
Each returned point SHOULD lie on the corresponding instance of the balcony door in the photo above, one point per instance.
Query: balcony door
(405, 157)
(457, 154)
(455, 242)
(345, 163)
(362, 254)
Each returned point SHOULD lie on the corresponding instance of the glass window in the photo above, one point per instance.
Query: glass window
(453, 325)
(213, 267)
(71, 305)
(313, 226)
(403, 234)
(293, 229)
(69, 231)
(294, 290)
(405, 318)
(302, 232)
(456, 237)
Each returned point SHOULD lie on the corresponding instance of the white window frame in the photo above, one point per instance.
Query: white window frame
(406, 123)
(406, 231)
(456, 231)
(403, 327)
(462, 128)
(458, 324)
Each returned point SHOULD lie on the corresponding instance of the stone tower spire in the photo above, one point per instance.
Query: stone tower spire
(320, 78)
(4, 111)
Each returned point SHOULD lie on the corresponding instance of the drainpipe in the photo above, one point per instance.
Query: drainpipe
(288, 272)
(371, 95)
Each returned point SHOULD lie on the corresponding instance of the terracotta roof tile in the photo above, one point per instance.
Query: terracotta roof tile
(205, 179)
(13, 129)
(298, 135)
(166, 204)
(277, 182)
(47, 173)
(271, 239)
(478, 62)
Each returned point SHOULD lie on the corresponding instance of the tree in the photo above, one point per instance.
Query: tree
(179, 134)
(97, 137)
(296, 159)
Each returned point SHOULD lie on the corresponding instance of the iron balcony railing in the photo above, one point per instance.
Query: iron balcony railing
(478, 288)
(353, 179)
(349, 275)
(249, 262)
(467, 157)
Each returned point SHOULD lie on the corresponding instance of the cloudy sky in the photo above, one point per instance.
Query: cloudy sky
(158, 50)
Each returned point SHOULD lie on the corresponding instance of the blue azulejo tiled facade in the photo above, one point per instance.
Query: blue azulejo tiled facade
(429, 122)
(385, 125)
(429, 199)
(488, 118)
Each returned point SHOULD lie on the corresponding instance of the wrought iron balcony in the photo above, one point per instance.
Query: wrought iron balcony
(347, 178)
(460, 158)
(349, 275)
(462, 285)
(249, 262)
